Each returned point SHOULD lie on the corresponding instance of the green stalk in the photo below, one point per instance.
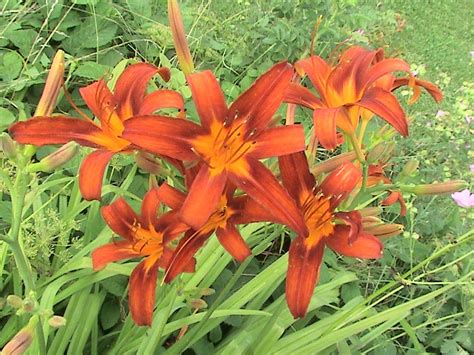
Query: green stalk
(188, 339)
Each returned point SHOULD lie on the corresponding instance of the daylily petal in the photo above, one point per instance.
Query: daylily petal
(150, 205)
(141, 293)
(385, 105)
(318, 72)
(297, 94)
(203, 196)
(304, 263)
(259, 103)
(247, 210)
(382, 68)
(274, 142)
(92, 172)
(396, 196)
(120, 217)
(187, 247)
(260, 184)
(131, 86)
(208, 98)
(233, 242)
(112, 252)
(160, 99)
(55, 130)
(365, 246)
(170, 196)
(432, 89)
(162, 135)
(168, 256)
(341, 181)
(352, 219)
(96, 96)
(325, 126)
(296, 176)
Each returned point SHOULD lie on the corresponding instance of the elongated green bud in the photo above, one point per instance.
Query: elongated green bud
(8, 146)
(53, 85)
(179, 37)
(14, 301)
(332, 163)
(56, 159)
(380, 153)
(438, 188)
(57, 321)
(384, 230)
(22, 340)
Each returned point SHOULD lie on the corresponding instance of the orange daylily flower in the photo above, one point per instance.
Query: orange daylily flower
(229, 144)
(144, 236)
(340, 231)
(344, 90)
(112, 110)
(230, 211)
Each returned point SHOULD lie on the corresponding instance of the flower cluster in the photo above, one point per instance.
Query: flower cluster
(220, 160)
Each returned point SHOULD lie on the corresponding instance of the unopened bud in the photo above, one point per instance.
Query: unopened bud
(207, 291)
(29, 305)
(371, 221)
(185, 59)
(410, 167)
(8, 146)
(14, 301)
(52, 86)
(57, 321)
(55, 159)
(22, 340)
(332, 163)
(380, 153)
(438, 188)
(148, 163)
(370, 211)
(384, 230)
(197, 303)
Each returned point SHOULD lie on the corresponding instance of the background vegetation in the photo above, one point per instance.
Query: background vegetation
(418, 298)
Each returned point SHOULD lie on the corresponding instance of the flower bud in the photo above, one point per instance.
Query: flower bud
(148, 163)
(436, 188)
(29, 305)
(197, 303)
(410, 167)
(380, 153)
(332, 163)
(22, 340)
(52, 86)
(384, 230)
(55, 159)
(57, 321)
(14, 301)
(207, 291)
(370, 211)
(371, 221)
(185, 59)
(8, 146)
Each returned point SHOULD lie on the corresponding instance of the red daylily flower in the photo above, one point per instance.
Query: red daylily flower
(112, 111)
(317, 204)
(230, 211)
(344, 90)
(144, 236)
(229, 144)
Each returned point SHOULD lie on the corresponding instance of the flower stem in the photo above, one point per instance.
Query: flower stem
(363, 127)
(356, 144)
